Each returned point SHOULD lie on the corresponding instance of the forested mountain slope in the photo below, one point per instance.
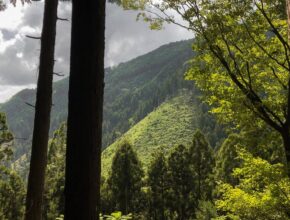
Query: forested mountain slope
(171, 124)
(132, 90)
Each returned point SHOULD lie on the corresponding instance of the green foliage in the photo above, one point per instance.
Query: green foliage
(6, 139)
(241, 47)
(54, 185)
(12, 195)
(242, 57)
(170, 124)
(262, 192)
(115, 216)
(205, 211)
(12, 189)
(158, 187)
(61, 217)
(260, 142)
(202, 164)
(125, 181)
(226, 160)
(177, 183)
(241, 61)
(182, 199)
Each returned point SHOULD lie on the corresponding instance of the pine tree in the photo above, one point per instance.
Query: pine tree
(182, 192)
(202, 162)
(125, 181)
(158, 188)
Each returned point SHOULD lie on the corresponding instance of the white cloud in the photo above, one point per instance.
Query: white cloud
(11, 18)
(4, 44)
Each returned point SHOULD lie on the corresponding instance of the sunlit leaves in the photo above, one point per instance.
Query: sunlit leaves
(262, 192)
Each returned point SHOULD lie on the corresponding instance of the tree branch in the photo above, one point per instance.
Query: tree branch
(32, 37)
(62, 19)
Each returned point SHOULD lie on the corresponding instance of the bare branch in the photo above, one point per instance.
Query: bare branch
(32, 37)
(59, 74)
(27, 103)
(62, 19)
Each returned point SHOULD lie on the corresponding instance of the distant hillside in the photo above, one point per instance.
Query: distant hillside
(172, 123)
(133, 89)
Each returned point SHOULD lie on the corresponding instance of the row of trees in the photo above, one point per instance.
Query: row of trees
(170, 189)
(191, 182)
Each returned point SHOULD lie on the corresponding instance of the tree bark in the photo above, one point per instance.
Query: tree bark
(286, 143)
(34, 197)
(288, 18)
(286, 132)
(85, 111)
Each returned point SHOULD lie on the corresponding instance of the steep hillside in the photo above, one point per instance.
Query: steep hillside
(172, 123)
(132, 90)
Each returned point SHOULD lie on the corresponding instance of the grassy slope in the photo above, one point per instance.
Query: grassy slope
(172, 123)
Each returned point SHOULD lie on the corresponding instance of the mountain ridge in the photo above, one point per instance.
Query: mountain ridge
(132, 90)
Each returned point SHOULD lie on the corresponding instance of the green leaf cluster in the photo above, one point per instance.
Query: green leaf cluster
(12, 189)
(262, 191)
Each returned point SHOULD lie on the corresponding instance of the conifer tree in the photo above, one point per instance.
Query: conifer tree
(182, 192)
(54, 184)
(38, 161)
(6, 137)
(202, 162)
(158, 188)
(12, 190)
(125, 181)
(12, 194)
(85, 110)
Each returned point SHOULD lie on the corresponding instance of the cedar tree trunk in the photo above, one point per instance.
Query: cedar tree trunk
(34, 197)
(85, 111)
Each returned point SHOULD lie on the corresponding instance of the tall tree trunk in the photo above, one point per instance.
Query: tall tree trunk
(285, 131)
(288, 18)
(40, 137)
(286, 143)
(85, 111)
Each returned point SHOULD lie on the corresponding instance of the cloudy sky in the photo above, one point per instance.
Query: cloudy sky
(125, 39)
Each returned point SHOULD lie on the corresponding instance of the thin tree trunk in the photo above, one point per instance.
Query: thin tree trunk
(85, 111)
(286, 143)
(34, 197)
(285, 131)
(288, 18)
